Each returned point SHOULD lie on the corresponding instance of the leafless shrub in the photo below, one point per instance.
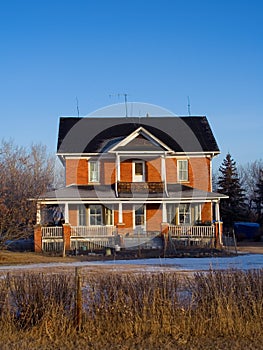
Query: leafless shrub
(133, 311)
(34, 296)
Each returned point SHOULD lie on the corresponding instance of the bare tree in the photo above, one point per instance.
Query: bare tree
(24, 174)
(249, 175)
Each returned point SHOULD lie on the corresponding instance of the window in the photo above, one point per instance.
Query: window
(95, 215)
(171, 214)
(182, 170)
(108, 216)
(180, 214)
(138, 171)
(139, 218)
(184, 214)
(138, 168)
(94, 171)
(82, 215)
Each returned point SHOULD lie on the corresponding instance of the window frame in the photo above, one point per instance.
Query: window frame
(143, 215)
(138, 177)
(97, 171)
(182, 172)
(96, 215)
(82, 215)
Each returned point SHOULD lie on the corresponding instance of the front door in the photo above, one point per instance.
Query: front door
(138, 171)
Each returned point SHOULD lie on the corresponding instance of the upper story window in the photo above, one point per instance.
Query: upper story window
(94, 171)
(182, 170)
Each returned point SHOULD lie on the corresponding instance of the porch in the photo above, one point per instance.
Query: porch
(89, 238)
(192, 235)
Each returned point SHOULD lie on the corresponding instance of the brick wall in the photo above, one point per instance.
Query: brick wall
(108, 176)
(37, 239)
(73, 214)
(206, 212)
(153, 170)
(76, 171)
(126, 170)
(153, 217)
(199, 173)
(171, 170)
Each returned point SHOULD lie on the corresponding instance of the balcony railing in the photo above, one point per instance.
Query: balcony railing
(93, 231)
(191, 231)
(140, 187)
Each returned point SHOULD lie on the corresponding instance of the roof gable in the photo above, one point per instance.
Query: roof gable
(140, 140)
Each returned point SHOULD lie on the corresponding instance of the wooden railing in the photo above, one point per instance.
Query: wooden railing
(140, 187)
(52, 231)
(191, 231)
(92, 231)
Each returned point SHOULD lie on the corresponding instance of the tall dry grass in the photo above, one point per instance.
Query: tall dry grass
(129, 311)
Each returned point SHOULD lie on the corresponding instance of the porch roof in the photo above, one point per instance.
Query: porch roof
(100, 192)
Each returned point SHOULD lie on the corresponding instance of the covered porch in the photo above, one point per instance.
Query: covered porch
(90, 219)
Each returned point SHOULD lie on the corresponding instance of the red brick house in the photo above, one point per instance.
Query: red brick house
(131, 178)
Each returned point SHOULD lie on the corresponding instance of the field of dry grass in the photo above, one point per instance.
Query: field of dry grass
(214, 310)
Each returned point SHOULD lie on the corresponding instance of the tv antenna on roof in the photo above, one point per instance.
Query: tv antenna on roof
(188, 106)
(125, 101)
(77, 101)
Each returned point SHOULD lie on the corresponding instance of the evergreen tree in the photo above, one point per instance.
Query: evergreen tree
(259, 198)
(233, 208)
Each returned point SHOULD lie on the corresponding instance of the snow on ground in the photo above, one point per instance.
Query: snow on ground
(243, 262)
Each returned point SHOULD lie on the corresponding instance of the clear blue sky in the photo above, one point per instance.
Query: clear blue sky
(156, 51)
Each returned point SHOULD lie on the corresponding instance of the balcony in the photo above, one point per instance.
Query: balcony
(140, 187)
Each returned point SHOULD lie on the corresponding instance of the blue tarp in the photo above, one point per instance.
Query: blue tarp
(246, 230)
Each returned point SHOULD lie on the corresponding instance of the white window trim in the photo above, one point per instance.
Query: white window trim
(188, 214)
(135, 206)
(98, 171)
(89, 215)
(112, 214)
(180, 161)
(133, 170)
(84, 214)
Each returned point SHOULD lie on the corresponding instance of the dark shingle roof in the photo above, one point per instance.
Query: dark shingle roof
(92, 135)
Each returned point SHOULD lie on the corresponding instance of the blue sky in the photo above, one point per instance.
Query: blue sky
(158, 52)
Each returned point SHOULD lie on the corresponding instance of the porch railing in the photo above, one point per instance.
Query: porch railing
(52, 232)
(191, 231)
(92, 231)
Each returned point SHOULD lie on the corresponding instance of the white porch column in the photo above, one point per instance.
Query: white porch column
(38, 218)
(217, 211)
(164, 213)
(117, 173)
(120, 219)
(66, 213)
(163, 172)
(118, 168)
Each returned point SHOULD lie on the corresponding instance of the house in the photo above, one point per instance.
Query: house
(129, 180)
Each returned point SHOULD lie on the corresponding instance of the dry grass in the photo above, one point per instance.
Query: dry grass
(14, 258)
(216, 310)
